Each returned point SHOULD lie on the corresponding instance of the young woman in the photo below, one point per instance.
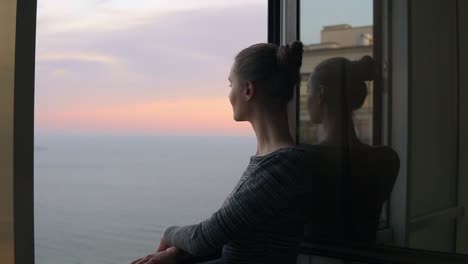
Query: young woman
(355, 178)
(262, 220)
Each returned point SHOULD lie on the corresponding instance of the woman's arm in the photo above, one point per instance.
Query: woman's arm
(270, 189)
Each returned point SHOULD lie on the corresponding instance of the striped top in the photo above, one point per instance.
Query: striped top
(261, 221)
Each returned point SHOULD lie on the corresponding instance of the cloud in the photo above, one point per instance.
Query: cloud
(180, 53)
(176, 116)
(96, 15)
(77, 56)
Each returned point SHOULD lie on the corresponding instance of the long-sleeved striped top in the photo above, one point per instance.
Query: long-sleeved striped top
(261, 221)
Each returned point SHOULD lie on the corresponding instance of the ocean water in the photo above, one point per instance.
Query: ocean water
(108, 199)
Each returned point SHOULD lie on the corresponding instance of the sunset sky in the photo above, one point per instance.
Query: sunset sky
(147, 66)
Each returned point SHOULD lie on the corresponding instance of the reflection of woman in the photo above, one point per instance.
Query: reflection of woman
(261, 221)
(355, 178)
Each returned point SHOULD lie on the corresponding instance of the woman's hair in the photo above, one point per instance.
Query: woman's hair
(344, 80)
(275, 70)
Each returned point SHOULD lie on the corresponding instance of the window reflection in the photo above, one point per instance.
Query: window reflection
(352, 178)
(421, 122)
(343, 37)
(337, 41)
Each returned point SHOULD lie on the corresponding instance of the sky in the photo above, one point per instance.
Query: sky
(152, 67)
(318, 13)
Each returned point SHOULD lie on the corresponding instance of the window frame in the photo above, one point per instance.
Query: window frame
(23, 131)
(7, 64)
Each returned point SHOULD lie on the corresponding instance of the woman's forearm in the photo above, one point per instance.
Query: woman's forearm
(264, 194)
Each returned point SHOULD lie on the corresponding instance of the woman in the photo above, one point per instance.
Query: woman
(261, 221)
(355, 178)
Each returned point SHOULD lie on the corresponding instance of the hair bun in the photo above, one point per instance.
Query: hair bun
(361, 70)
(290, 55)
(289, 59)
(365, 69)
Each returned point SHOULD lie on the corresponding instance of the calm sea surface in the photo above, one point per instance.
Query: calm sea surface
(109, 199)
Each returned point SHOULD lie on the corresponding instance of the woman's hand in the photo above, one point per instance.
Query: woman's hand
(165, 254)
(162, 246)
(168, 256)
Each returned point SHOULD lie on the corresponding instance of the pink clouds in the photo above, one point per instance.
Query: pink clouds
(102, 68)
(207, 116)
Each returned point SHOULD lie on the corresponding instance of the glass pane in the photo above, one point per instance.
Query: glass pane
(134, 129)
(336, 109)
(427, 205)
(331, 29)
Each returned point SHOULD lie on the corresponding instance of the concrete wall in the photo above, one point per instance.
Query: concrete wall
(343, 36)
(7, 65)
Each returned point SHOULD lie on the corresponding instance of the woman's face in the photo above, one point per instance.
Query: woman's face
(236, 97)
(314, 103)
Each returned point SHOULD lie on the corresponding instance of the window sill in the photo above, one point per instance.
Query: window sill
(381, 254)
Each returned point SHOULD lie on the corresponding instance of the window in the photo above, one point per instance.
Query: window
(134, 129)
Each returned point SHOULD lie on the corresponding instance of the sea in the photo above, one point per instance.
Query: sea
(109, 199)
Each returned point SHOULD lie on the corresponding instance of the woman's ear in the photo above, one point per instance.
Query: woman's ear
(249, 90)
